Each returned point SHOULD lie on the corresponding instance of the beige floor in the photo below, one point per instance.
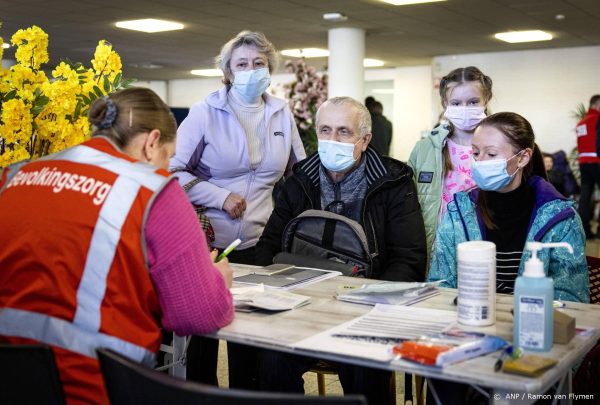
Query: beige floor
(592, 247)
(333, 386)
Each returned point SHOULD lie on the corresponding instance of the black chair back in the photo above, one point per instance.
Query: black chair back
(130, 383)
(28, 375)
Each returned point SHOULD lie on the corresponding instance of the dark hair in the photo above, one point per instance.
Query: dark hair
(520, 134)
(453, 79)
(126, 113)
(595, 98)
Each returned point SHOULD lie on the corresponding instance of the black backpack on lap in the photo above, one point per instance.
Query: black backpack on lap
(323, 239)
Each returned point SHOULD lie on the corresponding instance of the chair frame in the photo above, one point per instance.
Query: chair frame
(193, 392)
(42, 356)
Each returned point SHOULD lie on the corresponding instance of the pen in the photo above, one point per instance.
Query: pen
(367, 338)
(228, 249)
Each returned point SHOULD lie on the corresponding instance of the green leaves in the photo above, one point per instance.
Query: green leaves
(98, 92)
(10, 95)
(38, 104)
(106, 85)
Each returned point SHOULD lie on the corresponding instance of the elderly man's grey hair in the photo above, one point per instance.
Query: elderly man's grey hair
(255, 39)
(364, 117)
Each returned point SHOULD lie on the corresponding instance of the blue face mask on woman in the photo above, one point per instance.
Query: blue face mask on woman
(491, 175)
(337, 156)
(251, 84)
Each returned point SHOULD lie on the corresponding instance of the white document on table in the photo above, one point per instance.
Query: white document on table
(372, 335)
(291, 279)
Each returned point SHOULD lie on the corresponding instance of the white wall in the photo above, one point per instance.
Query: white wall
(184, 93)
(542, 85)
(412, 108)
(160, 87)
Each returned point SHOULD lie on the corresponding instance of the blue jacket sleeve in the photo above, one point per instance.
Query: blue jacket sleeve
(570, 272)
(443, 254)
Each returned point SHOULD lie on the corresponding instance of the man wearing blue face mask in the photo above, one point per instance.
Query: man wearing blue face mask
(348, 177)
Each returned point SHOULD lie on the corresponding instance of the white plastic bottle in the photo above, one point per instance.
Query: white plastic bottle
(476, 283)
(533, 302)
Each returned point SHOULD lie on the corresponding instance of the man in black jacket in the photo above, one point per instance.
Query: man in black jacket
(348, 177)
(376, 191)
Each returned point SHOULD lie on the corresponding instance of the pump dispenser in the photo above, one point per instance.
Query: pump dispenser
(533, 302)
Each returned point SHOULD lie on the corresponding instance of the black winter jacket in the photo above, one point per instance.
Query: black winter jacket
(391, 216)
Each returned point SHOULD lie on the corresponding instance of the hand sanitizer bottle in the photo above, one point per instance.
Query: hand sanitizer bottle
(533, 302)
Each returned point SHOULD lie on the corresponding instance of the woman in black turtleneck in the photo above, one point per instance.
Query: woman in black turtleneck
(514, 203)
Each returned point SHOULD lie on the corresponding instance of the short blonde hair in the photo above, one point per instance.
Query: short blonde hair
(252, 38)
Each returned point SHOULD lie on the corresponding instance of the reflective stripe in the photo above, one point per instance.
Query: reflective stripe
(588, 154)
(64, 334)
(141, 172)
(101, 253)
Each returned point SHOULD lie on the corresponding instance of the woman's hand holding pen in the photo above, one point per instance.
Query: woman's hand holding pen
(234, 205)
(223, 267)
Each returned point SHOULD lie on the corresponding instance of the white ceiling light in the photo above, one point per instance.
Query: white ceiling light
(372, 63)
(523, 36)
(334, 17)
(5, 45)
(306, 53)
(150, 25)
(207, 72)
(406, 2)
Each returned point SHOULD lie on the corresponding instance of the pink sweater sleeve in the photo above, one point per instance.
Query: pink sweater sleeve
(192, 293)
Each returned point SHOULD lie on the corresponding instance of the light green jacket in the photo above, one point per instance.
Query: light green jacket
(426, 162)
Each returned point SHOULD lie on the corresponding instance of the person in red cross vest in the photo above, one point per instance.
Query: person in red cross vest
(101, 247)
(588, 145)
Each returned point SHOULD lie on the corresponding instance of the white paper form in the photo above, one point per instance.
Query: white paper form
(291, 279)
(372, 335)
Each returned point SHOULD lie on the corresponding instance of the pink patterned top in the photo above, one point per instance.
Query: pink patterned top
(193, 296)
(459, 178)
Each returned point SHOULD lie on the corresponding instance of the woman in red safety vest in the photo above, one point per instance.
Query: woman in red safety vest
(101, 247)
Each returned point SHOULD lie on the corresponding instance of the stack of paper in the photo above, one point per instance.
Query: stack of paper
(372, 334)
(288, 279)
(391, 293)
(247, 298)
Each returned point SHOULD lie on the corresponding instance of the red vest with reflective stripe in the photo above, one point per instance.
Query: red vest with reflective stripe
(74, 272)
(586, 137)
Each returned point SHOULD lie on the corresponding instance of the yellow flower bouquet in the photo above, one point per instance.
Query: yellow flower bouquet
(39, 115)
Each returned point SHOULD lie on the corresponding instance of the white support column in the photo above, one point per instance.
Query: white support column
(345, 68)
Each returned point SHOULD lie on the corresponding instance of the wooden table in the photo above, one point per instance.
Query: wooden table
(279, 331)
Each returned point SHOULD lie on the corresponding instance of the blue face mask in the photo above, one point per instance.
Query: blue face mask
(491, 175)
(337, 156)
(251, 84)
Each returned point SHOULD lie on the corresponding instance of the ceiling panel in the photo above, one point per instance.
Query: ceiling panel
(405, 35)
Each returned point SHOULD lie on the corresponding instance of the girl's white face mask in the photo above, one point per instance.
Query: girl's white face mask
(463, 117)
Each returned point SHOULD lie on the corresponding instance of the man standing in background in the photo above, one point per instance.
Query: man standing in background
(381, 128)
(588, 144)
